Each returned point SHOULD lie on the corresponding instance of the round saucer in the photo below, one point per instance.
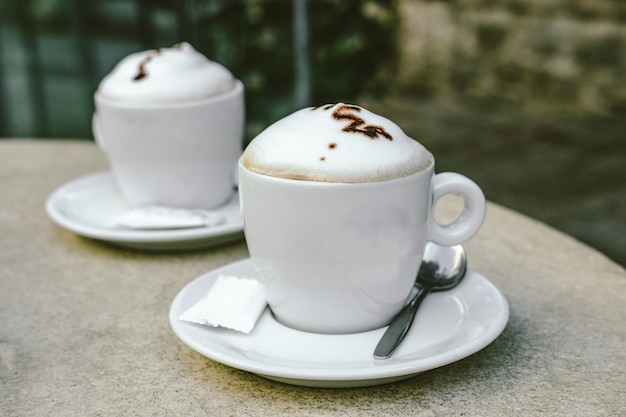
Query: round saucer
(450, 326)
(88, 206)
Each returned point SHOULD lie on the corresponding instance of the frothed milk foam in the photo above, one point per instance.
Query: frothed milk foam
(166, 75)
(335, 143)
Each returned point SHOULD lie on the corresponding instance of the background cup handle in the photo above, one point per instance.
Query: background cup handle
(96, 129)
(471, 218)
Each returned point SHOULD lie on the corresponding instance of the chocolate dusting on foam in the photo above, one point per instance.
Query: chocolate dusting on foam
(141, 72)
(344, 112)
(355, 123)
(326, 107)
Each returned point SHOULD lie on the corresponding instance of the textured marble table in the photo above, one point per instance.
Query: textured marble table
(84, 325)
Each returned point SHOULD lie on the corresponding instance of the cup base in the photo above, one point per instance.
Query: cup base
(328, 330)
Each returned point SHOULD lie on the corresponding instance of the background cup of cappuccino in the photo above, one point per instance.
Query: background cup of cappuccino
(338, 206)
(171, 124)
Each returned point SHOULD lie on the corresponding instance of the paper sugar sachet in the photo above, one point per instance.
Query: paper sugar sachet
(160, 217)
(234, 303)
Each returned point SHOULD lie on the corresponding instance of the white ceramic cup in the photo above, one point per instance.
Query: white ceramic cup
(181, 154)
(343, 257)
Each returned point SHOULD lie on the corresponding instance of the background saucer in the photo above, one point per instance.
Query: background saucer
(88, 205)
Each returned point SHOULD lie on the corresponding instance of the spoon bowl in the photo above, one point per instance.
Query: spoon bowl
(442, 268)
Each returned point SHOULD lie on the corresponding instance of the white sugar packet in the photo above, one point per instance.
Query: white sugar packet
(234, 303)
(161, 217)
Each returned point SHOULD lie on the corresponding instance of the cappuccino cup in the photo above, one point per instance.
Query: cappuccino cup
(338, 204)
(171, 123)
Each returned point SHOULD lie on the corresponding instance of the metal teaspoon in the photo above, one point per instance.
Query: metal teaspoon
(442, 268)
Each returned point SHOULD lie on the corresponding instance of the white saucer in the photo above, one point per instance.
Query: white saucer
(450, 326)
(88, 206)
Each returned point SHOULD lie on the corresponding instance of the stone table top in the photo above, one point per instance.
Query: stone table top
(84, 325)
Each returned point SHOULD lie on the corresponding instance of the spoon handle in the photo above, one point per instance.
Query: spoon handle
(399, 326)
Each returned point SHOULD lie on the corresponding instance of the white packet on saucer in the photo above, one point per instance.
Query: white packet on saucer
(234, 303)
(160, 217)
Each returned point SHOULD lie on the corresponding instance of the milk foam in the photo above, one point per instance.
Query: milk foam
(335, 143)
(166, 75)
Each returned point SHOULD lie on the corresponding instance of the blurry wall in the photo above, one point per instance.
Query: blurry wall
(546, 54)
(539, 55)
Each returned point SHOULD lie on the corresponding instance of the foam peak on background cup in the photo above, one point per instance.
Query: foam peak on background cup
(335, 143)
(166, 75)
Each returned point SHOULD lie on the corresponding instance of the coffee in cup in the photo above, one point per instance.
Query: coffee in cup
(338, 206)
(171, 124)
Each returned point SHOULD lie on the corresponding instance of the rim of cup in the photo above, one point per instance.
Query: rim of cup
(428, 170)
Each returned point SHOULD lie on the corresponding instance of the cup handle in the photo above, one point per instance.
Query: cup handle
(96, 129)
(471, 218)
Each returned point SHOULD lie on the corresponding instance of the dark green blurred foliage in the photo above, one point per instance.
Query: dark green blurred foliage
(350, 44)
(350, 41)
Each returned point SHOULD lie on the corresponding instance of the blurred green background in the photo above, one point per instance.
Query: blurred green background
(55, 52)
(527, 97)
